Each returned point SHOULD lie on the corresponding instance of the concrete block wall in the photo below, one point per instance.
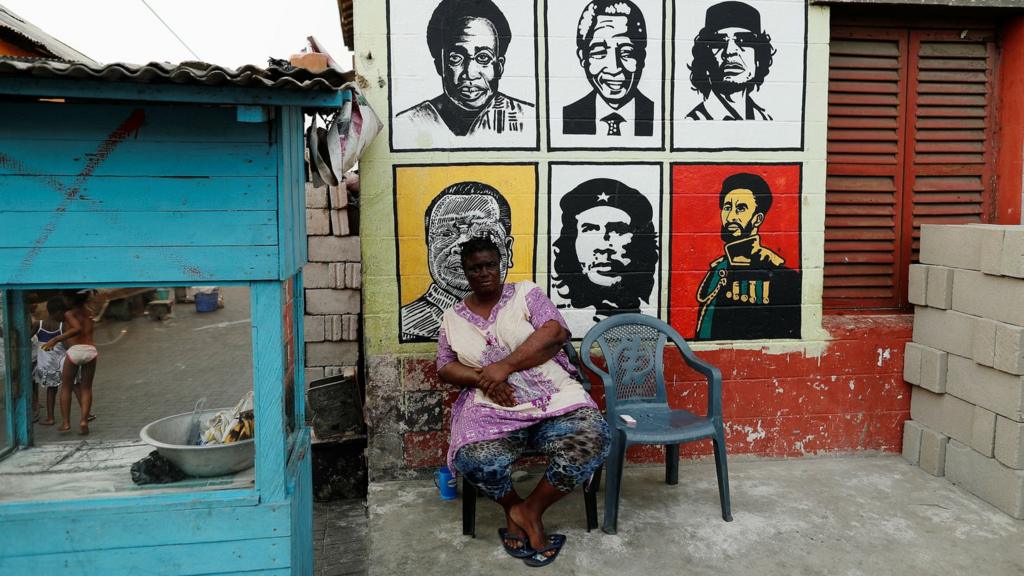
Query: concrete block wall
(966, 361)
(333, 285)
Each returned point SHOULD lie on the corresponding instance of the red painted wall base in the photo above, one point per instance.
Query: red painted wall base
(850, 398)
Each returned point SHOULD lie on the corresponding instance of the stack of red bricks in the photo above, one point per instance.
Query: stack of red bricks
(966, 361)
(332, 281)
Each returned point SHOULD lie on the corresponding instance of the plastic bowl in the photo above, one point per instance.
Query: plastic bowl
(168, 436)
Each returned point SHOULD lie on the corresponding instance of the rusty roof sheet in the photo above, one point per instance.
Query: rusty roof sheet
(38, 39)
(279, 75)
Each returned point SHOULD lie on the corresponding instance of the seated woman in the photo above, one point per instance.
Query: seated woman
(502, 345)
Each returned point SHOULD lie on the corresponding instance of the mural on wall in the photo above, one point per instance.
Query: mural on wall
(478, 58)
(604, 253)
(604, 85)
(437, 208)
(745, 62)
(735, 251)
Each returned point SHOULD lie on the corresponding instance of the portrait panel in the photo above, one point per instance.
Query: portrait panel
(604, 246)
(463, 74)
(739, 61)
(437, 208)
(735, 266)
(605, 74)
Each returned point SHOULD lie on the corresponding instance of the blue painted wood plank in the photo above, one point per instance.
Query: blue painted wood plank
(8, 374)
(301, 487)
(300, 349)
(171, 93)
(58, 533)
(180, 559)
(285, 207)
(95, 122)
(268, 386)
(20, 366)
(131, 158)
(135, 229)
(299, 180)
(254, 114)
(133, 194)
(99, 265)
(131, 503)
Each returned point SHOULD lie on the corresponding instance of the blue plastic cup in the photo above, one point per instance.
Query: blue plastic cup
(445, 482)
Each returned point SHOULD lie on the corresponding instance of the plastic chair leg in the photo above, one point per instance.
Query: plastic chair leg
(672, 464)
(468, 508)
(616, 461)
(722, 469)
(590, 498)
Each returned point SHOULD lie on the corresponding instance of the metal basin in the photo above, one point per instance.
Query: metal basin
(168, 436)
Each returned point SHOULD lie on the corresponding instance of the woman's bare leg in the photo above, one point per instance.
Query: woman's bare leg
(85, 395)
(67, 381)
(507, 502)
(528, 513)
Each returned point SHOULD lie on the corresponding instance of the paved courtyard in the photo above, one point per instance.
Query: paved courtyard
(851, 516)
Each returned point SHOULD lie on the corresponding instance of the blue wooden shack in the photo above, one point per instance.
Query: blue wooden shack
(162, 175)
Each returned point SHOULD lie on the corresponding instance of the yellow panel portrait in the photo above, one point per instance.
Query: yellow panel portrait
(437, 207)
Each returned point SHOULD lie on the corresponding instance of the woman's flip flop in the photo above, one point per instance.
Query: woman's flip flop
(522, 551)
(538, 559)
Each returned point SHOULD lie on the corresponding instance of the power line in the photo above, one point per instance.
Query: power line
(171, 30)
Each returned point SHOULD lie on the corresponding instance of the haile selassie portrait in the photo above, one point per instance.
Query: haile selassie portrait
(748, 293)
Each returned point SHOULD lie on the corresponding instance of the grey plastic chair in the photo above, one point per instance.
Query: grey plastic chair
(470, 492)
(634, 384)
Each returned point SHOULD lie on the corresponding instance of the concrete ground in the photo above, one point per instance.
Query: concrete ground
(340, 538)
(851, 516)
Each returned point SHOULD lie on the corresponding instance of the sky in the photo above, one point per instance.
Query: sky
(225, 32)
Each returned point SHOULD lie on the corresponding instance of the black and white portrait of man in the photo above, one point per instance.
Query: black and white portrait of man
(745, 64)
(732, 55)
(604, 84)
(605, 253)
(460, 212)
(469, 53)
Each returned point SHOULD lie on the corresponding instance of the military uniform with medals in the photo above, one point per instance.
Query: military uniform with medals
(749, 294)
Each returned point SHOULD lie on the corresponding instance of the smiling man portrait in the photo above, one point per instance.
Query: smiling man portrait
(611, 46)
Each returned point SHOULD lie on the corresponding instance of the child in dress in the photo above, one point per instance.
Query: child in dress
(50, 360)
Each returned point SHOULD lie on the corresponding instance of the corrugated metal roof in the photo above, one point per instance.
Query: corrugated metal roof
(38, 39)
(283, 77)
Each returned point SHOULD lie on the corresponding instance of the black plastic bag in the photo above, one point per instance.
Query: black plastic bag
(155, 469)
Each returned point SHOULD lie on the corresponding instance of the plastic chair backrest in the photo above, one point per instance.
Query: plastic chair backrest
(633, 346)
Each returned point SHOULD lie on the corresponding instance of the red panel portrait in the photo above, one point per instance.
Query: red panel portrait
(735, 260)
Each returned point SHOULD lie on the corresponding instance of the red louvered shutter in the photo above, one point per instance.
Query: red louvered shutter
(909, 142)
(949, 167)
(864, 179)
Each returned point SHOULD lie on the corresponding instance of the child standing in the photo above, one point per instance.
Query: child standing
(50, 360)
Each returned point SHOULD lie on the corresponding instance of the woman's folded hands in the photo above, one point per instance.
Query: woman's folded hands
(493, 380)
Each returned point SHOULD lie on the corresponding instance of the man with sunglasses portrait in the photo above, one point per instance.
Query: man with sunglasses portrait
(731, 58)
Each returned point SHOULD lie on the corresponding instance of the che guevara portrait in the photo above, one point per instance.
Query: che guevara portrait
(605, 248)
